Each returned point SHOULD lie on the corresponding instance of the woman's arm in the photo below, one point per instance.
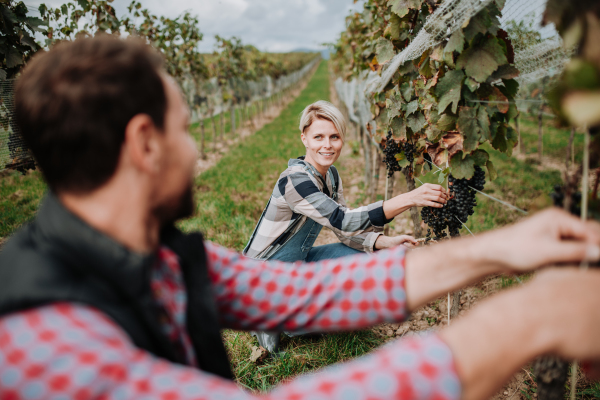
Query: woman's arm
(427, 195)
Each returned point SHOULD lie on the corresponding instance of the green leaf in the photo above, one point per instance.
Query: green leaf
(483, 120)
(406, 91)
(448, 90)
(384, 50)
(398, 127)
(395, 27)
(471, 84)
(469, 128)
(36, 24)
(64, 9)
(416, 122)
(511, 87)
(426, 69)
(403, 162)
(412, 107)
(480, 157)
(456, 42)
(513, 112)
(462, 168)
(481, 60)
(2, 74)
(402, 7)
(447, 122)
(13, 58)
(492, 174)
(505, 139)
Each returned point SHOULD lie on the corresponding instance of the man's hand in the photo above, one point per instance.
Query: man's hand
(549, 237)
(427, 195)
(385, 242)
(557, 314)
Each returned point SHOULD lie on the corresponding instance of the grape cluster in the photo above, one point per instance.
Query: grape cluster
(558, 198)
(392, 148)
(458, 208)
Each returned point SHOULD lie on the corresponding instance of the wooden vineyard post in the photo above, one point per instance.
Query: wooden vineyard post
(585, 185)
(214, 131)
(540, 134)
(389, 193)
(202, 140)
(414, 211)
(521, 144)
(364, 141)
(376, 170)
(222, 124)
(232, 115)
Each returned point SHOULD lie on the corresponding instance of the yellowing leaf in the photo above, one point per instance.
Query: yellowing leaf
(402, 7)
(384, 50)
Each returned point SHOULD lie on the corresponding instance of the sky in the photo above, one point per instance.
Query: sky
(270, 25)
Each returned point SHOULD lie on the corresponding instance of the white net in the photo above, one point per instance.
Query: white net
(539, 50)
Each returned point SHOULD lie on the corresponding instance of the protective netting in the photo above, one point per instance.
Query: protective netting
(449, 17)
(539, 50)
(206, 99)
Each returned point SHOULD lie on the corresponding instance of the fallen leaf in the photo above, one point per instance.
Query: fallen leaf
(259, 354)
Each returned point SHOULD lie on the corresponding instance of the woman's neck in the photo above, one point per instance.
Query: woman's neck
(322, 170)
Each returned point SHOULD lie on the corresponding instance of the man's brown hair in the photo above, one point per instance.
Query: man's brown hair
(74, 102)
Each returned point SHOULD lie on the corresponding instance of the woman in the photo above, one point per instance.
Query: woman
(309, 195)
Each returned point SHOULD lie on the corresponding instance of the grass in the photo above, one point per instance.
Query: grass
(20, 197)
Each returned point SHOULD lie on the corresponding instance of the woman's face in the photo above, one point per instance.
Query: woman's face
(323, 144)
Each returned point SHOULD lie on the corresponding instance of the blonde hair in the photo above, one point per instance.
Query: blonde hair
(323, 110)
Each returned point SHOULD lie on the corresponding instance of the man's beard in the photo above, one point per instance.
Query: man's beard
(184, 207)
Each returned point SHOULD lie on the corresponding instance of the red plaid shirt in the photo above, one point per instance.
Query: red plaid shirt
(72, 351)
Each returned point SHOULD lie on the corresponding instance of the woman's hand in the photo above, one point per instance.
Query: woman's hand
(385, 242)
(428, 195)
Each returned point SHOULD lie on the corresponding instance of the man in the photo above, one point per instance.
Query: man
(101, 297)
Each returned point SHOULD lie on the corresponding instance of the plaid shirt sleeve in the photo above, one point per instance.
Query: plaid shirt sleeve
(70, 351)
(357, 228)
(343, 293)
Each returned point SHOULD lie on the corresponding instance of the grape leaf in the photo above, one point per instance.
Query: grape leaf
(462, 168)
(2, 74)
(447, 122)
(384, 50)
(468, 126)
(481, 60)
(471, 84)
(13, 58)
(480, 157)
(506, 139)
(511, 87)
(505, 71)
(393, 104)
(453, 141)
(456, 42)
(498, 99)
(483, 120)
(416, 122)
(406, 91)
(398, 127)
(448, 90)
(395, 27)
(402, 7)
(412, 107)
(491, 170)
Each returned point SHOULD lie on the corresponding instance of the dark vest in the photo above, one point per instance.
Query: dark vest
(60, 258)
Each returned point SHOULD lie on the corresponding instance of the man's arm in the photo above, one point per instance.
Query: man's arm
(76, 352)
(557, 313)
(363, 290)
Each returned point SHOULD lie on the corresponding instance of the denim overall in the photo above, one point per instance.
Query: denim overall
(300, 248)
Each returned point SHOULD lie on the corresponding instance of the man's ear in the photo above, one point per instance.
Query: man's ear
(142, 143)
